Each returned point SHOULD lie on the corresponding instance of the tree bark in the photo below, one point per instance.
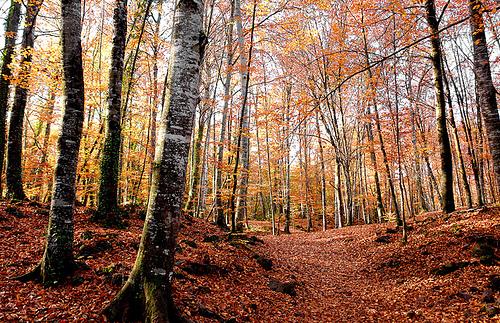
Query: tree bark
(242, 140)
(11, 29)
(57, 260)
(241, 207)
(15, 143)
(322, 174)
(147, 294)
(373, 157)
(458, 150)
(45, 187)
(484, 84)
(446, 181)
(288, 140)
(220, 219)
(107, 211)
(392, 191)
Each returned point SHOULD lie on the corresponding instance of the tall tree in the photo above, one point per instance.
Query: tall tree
(369, 129)
(322, 174)
(15, 140)
(147, 294)
(241, 208)
(107, 211)
(484, 84)
(219, 210)
(11, 27)
(446, 182)
(242, 140)
(57, 260)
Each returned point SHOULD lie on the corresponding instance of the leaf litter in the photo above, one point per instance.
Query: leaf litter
(341, 275)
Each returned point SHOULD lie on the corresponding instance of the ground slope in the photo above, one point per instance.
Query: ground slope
(362, 273)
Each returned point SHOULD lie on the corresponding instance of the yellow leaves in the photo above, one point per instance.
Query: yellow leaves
(263, 8)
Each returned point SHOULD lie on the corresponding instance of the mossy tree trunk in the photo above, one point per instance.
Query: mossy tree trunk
(147, 294)
(446, 181)
(15, 139)
(11, 29)
(107, 211)
(484, 85)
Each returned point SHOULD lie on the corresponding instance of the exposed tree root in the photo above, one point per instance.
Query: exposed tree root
(136, 304)
(33, 275)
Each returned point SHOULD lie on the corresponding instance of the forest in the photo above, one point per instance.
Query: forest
(249, 161)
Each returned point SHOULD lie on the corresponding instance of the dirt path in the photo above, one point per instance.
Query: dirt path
(330, 268)
(345, 276)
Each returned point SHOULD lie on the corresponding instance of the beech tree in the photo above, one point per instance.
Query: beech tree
(57, 260)
(219, 210)
(11, 28)
(448, 202)
(15, 143)
(484, 84)
(107, 211)
(147, 294)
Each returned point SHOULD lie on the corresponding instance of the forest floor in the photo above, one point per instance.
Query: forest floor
(448, 271)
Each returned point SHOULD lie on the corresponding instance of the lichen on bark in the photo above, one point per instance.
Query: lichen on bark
(147, 293)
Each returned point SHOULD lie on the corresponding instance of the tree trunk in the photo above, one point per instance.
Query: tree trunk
(307, 184)
(373, 157)
(195, 171)
(386, 164)
(340, 204)
(15, 143)
(322, 174)
(220, 219)
(107, 211)
(242, 140)
(11, 29)
(484, 84)
(446, 181)
(259, 168)
(288, 140)
(46, 185)
(271, 195)
(147, 294)
(458, 150)
(241, 208)
(423, 207)
(57, 260)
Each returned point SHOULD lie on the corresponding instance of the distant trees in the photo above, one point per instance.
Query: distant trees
(339, 109)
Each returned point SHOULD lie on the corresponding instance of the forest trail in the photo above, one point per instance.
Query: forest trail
(364, 273)
(331, 271)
